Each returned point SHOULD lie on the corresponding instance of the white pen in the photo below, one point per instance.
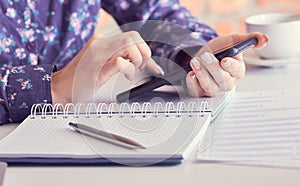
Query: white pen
(103, 135)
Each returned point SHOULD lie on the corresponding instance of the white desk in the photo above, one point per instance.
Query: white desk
(187, 173)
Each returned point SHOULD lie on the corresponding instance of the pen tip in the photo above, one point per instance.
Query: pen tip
(142, 147)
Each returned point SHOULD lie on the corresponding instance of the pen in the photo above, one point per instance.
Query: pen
(3, 166)
(106, 136)
(177, 75)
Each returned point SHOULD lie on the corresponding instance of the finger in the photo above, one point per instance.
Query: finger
(211, 63)
(129, 38)
(236, 38)
(228, 40)
(129, 45)
(223, 80)
(261, 38)
(236, 68)
(153, 67)
(192, 84)
(140, 43)
(130, 51)
(114, 66)
(205, 80)
(142, 46)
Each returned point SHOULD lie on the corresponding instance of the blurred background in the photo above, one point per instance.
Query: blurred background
(226, 16)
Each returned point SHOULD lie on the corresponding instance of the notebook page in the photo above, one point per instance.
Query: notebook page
(44, 136)
(163, 136)
(259, 127)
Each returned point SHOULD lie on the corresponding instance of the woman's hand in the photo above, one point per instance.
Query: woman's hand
(210, 76)
(97, 62)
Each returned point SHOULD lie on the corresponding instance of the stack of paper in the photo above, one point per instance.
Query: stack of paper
(258, 128)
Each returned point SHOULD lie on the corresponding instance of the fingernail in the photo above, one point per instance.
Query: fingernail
(207, 58)
(226, 64)
(193, 77)
(160, 70)
(266, 38)
(196, 63)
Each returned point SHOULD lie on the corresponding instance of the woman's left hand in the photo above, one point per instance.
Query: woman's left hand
(209, 75)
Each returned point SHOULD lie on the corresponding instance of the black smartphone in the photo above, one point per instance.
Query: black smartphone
(172, 77)
(236, 49)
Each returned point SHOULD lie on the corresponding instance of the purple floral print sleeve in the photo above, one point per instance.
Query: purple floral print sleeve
(36, 36)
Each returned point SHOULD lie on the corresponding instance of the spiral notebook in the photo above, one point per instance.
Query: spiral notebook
(169, 131)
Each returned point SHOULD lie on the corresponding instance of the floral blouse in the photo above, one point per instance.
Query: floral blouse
(38, 35)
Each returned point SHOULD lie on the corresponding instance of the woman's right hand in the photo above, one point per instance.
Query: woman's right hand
(97, 62)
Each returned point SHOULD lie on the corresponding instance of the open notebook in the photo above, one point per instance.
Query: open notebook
(169, 131)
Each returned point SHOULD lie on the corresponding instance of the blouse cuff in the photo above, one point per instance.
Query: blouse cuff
(27, 85)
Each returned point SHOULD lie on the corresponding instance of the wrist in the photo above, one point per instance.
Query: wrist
(59, 91)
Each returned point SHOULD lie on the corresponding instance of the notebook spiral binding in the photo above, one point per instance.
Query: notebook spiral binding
(121, 110)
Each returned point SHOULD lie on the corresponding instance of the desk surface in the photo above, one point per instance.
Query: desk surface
(187, 173)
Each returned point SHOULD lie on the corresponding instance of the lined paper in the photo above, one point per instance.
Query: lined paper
(261, 127)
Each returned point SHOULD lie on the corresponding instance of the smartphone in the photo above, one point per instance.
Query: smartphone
(172, 77)
(236, 49)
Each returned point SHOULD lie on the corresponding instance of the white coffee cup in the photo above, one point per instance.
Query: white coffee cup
(283, 31)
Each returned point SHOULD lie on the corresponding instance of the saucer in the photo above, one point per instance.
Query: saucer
(252, 58)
